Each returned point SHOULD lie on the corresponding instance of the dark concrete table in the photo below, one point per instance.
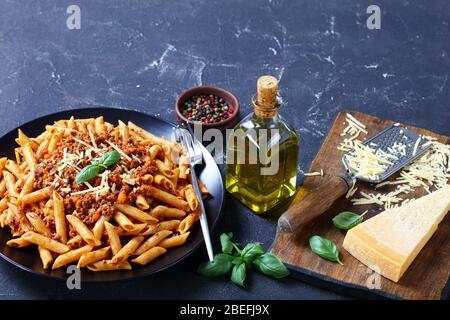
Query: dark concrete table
(141, 54)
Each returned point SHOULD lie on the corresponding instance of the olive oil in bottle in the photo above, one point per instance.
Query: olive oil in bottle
(262, 153)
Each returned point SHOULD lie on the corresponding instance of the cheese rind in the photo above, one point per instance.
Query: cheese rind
(390, 241)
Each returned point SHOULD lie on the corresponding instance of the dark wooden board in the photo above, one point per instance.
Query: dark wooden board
(427, 275)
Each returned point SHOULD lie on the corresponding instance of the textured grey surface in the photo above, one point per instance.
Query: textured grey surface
(141, 54)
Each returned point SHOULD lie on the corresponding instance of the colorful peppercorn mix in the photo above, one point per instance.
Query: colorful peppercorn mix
(206, 108)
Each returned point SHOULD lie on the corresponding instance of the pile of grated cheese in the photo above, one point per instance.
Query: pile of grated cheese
(430, 170)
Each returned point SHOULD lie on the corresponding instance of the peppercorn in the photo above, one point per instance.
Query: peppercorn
(206, 108)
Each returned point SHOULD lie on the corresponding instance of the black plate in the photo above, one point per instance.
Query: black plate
(28, 258)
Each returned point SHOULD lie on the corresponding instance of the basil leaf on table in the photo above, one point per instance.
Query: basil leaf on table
(221, 265)
(347, 220)
(225, 242)
(109, 159)
(324, 248)
(88, 172)
(251, 251)
(271, 265)
(238, 274)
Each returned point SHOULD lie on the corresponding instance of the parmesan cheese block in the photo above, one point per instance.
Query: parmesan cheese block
(389, 242)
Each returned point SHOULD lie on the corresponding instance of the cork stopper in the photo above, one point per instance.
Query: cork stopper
(267, 89)
(266, 104)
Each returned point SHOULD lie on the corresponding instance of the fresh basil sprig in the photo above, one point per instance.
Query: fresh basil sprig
(238, 261)
(96, 167)
(347, 220)
(325, 249)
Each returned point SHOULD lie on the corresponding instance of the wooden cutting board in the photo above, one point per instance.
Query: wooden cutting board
(427, 276)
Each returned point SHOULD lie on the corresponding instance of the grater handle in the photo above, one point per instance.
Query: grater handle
(304, 209)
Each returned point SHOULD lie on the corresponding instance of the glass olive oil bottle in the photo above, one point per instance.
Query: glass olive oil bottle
(262, 153)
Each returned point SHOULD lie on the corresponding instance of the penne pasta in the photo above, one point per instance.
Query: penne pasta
(93, 256)
(187, 223)
(168, 198)
(114, 239)
(45, 242)
(18, 243)
(30, 156)
(160, 212)
(149, 255)
(60, 217)
(105, 265)
(135, 213)
(191, 198)
(142, 203)
(83, 230)
(174, 241)
(46, 257)
(127, 250)
(71, 256)
(153, 241)
(38, 224)
(35, 196)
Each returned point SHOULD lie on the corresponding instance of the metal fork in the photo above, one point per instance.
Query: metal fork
(194, 152)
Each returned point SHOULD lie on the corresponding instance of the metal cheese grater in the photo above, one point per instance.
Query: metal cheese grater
(317, 202)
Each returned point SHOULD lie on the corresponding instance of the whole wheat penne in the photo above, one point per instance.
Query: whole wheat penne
(127, 250)
(105, 265)
(18, 243)
(152, 241)
(149, 255)
(71, 256)
(135, 213)
(174, 241)
(35, 196)
(93, 256)
(83, 230)
(114, 239)
(45, 242)
(38, 224)
(46, 257)
(60, 216)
